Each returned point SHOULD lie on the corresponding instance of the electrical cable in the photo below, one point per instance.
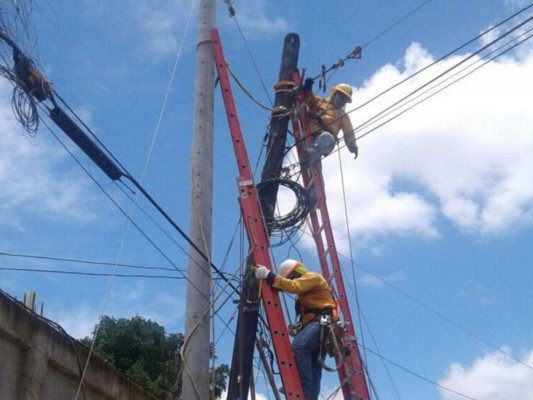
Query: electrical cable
(360, 127)
(289, 223)
(354, 289)
(440, 90)
(448, 70)
(167, 234)
(25, 110)
(491, 59)
(250, 55)
(387, 371)
(113, 201)
(154, 203)
(469, 42)
(15, 20)
(73, 260)
(502, 36)
(437, 313)
(162, 212)
(487, 31)
(182, 233)
(62, 100)
(132, 222)
(357, 52)
(142, 190)
(246, 91)
(432, 90)
(126, 175)
(22, 101)
(96, 274)
(395, 24)
(422, 377)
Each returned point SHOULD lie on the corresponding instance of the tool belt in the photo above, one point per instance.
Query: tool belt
(321, 311)
(318, 311)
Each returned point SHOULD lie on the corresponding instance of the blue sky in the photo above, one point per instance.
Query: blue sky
(439, 200)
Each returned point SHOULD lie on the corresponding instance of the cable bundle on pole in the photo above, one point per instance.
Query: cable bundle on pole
(286, 225)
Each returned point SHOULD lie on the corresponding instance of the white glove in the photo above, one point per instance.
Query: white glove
(261, 272)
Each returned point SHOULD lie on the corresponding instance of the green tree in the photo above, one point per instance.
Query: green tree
(142, 350)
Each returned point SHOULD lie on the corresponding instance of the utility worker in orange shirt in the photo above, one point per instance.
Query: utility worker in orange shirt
(314, 300)
(327, 118)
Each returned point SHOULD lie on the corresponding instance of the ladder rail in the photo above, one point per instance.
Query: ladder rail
(256, 233)
(352, 375)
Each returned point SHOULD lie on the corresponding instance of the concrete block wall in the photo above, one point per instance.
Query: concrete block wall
(38, 361)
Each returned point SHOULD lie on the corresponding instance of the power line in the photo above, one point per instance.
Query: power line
(420, 376)
(433, 80)
(103, 159)
(56, 271)
(410, 13)
(248, 50)
(114, 202)
(379, 114)
(79, 261)
(436, 313)
(456, 50)
(439, 90)
(156, 205)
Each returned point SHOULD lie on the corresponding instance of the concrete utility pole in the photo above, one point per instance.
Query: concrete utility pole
(196, 351)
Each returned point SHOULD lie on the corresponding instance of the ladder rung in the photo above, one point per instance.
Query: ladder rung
(319, 231)
(325, 254)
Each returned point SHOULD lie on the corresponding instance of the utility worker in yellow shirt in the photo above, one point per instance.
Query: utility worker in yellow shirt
(314, 300)
(326, 119)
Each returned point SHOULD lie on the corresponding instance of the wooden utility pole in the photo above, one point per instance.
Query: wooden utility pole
(196, 348)
(243, 348)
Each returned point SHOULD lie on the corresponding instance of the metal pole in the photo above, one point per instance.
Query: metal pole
(196, 348)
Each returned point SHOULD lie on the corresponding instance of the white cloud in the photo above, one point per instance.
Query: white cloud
(35, 179)
(156, 27)
(494, 376)
(254, 20)
(516, 3)
(476, 292)
(79, 322)
(463, 155)
(376, 282)
(127, 300)
(152, 26)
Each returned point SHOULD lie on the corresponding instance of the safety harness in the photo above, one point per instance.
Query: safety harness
(331, 334)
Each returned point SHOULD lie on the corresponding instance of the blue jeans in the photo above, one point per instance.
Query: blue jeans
(306, 347)
(323, 144)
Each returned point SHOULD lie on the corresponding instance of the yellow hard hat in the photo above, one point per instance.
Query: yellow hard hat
(345, 89)
(288, 266)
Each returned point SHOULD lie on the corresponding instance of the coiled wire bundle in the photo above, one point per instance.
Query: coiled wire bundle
(284, 226)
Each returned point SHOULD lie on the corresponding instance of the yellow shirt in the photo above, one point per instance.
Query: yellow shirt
(313, 292)
(334, 119)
